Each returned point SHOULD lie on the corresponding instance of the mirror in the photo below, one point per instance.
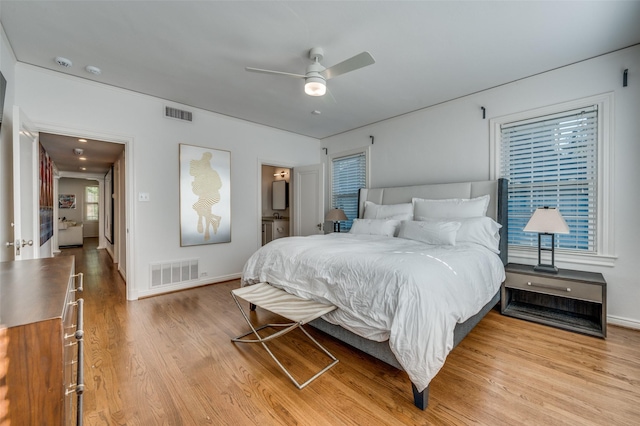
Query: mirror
(279, 195)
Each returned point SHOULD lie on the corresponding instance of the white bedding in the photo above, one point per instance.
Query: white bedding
(386, 288)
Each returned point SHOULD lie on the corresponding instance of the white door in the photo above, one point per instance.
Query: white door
(26, 236)
(308, 199)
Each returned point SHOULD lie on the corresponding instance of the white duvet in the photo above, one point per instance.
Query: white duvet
(408, 292)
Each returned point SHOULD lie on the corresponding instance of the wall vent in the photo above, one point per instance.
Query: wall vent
(178, 113)
(178, 271)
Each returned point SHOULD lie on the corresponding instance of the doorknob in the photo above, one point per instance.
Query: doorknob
(16, 245)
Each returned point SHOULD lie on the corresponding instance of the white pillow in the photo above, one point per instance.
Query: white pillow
(479, 230)
(374, 227)
(388, 211)
(450, 208)
(430, 232)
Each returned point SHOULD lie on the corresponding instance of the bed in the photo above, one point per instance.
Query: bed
(393, 269)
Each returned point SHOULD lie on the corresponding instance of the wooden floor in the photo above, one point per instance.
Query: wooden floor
(168, 360)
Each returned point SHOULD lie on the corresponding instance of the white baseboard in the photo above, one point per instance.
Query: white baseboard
(623, 322)
(187, 285)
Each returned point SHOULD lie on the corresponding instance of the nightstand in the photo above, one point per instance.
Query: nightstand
(572, 300)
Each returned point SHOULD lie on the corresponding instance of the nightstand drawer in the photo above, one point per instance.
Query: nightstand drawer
(554, 286)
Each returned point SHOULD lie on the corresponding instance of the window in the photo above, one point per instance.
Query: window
(91, 203)
(348, 175)
(552, 161)
(558, 157)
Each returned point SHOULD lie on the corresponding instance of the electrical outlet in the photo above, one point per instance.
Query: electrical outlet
(143, 196)
(203, 274)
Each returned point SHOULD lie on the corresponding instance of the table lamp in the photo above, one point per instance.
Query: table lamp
(335, 216)
(546, 221)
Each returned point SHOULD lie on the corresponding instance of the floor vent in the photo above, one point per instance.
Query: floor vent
(166, 273)
(178, 113)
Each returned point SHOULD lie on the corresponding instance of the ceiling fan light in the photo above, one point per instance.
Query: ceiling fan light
(315, 86)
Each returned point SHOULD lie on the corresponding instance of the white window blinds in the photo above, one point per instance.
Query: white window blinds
(348, 175)
(91, 202)
(552, 161)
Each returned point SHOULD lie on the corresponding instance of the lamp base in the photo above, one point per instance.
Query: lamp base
(545, 268)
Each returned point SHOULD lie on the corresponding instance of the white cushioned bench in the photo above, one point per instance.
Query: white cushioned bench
(298, 310)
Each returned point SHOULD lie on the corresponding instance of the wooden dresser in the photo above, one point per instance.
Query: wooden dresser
(38, 307)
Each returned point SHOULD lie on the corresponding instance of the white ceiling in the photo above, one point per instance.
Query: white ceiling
(98, 156)
(426, 52)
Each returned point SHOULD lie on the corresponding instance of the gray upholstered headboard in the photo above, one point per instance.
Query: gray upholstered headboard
(497, 190)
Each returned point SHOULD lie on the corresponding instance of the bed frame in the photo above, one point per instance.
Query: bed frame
(497, 210)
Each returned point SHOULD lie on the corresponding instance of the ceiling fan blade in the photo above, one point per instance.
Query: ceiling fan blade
(274, 72)
(359, 61)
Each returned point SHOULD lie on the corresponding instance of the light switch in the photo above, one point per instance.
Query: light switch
(143, 196)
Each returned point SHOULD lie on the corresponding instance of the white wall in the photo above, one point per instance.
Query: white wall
(56, 100)
(450, 142)
(7, 64)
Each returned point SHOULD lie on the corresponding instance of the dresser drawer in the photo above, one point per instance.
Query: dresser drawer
(556, 287)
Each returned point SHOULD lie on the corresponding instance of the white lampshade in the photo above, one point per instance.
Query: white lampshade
(547, 220)
(335, 215)
(315, 86)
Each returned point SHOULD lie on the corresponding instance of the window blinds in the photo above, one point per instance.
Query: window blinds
(348, 175)
(552, 161)
(91, 202)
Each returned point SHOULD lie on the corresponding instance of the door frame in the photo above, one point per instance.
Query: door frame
(24, 127)
(129, 199)
(272, 163)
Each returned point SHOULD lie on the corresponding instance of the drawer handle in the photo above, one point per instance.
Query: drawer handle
(79, 410)
(80, 287)
(552, 287)
(79, 334)
(80, 378)
(78, 387)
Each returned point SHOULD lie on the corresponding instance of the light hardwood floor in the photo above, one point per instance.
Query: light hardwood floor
(168, 360)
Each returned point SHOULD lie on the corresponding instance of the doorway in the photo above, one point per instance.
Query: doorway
(83, 162)
(275, 202)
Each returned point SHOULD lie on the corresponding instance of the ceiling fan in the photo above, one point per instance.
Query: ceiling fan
(316, 75)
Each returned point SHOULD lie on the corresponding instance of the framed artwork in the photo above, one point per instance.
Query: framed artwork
(46, 196)
(205, 195)
(67, 201)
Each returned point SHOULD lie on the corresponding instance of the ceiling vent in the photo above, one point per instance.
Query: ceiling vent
(178, 114)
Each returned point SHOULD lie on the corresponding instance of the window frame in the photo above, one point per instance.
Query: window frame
(349, 153)
(87, 203)
(604, 254)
